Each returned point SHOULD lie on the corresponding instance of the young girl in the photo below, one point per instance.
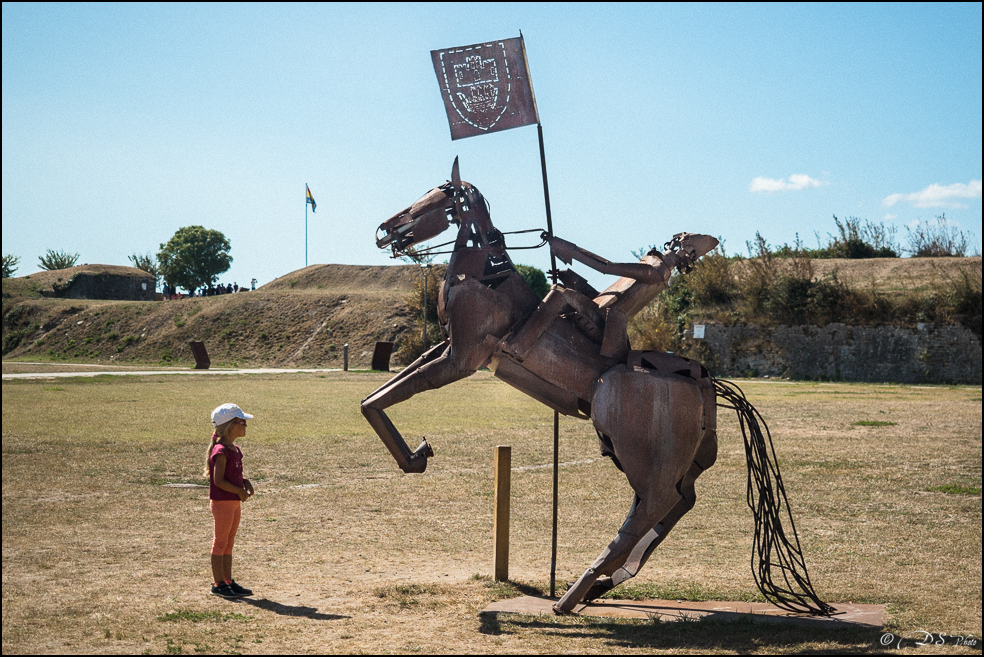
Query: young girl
(227, 490)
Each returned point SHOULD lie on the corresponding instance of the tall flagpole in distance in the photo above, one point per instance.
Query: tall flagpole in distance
(307, 192)
(553, 276)
(308, 200)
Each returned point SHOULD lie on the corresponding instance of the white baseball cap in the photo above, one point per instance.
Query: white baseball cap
(227, 413)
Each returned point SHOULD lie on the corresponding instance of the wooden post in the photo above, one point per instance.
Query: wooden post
(345, 357)
(500, 523)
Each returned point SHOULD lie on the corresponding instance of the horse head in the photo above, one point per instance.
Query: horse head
(427, 218)
(431, 215)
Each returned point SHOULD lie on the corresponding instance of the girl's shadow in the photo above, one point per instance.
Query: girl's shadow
(288, 610)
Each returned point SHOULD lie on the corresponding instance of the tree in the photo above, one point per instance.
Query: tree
(412, 255)
(146, 263)
(535, 279)
(194, 258)
(53, 260)
(10, 265)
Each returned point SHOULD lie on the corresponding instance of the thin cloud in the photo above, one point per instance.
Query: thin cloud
(794, 182)
(938, 196)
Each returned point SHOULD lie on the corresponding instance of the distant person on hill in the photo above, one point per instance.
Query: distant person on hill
(227, 490)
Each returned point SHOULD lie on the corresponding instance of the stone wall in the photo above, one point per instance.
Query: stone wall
(925, 354)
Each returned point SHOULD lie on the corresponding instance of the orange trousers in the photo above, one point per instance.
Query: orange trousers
(226, 514)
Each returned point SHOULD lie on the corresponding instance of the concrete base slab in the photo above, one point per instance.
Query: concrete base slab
(673, 610)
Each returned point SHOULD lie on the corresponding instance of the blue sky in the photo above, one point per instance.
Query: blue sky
(123, 123)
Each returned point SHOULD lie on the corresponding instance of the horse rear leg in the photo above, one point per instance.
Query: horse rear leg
(639, 522)
(617, 573)
(657, 446)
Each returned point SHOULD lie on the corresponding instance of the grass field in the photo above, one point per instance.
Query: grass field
(346, 554)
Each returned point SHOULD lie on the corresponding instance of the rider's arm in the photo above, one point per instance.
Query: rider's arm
(567, 251)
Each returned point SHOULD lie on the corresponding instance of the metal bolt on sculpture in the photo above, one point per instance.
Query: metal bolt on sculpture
(655, 413)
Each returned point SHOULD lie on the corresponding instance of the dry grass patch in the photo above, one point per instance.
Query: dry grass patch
(347, 554)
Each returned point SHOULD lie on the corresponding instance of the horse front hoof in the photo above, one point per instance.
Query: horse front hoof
(423, 450)
(418, 460)
(560, 611)
(416, 465)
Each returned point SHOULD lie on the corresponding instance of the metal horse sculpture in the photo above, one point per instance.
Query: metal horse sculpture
(655, 413)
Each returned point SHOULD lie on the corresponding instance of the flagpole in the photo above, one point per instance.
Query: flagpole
(556, 422)
(306, 203)
(553, 276)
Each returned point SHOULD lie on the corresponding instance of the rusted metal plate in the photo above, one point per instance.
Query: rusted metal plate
(202, 361)
(673, 610)
(381, 356)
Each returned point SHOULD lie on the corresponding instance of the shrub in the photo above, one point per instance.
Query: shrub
(936, 240)
(712, 282)
(13, 315)
(12, 340)
(862, 241)
(768, 289)
(797, 299)
(411, 345)
(653, 330)
(856, 239)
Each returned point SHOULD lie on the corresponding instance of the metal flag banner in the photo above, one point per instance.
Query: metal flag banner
(486, 87)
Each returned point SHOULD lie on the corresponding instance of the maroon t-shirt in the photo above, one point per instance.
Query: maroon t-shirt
(233, 471)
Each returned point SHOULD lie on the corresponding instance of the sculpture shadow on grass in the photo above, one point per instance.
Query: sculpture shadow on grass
(744, 635)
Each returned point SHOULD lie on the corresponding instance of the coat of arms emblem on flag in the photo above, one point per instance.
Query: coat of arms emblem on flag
(485, 87)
